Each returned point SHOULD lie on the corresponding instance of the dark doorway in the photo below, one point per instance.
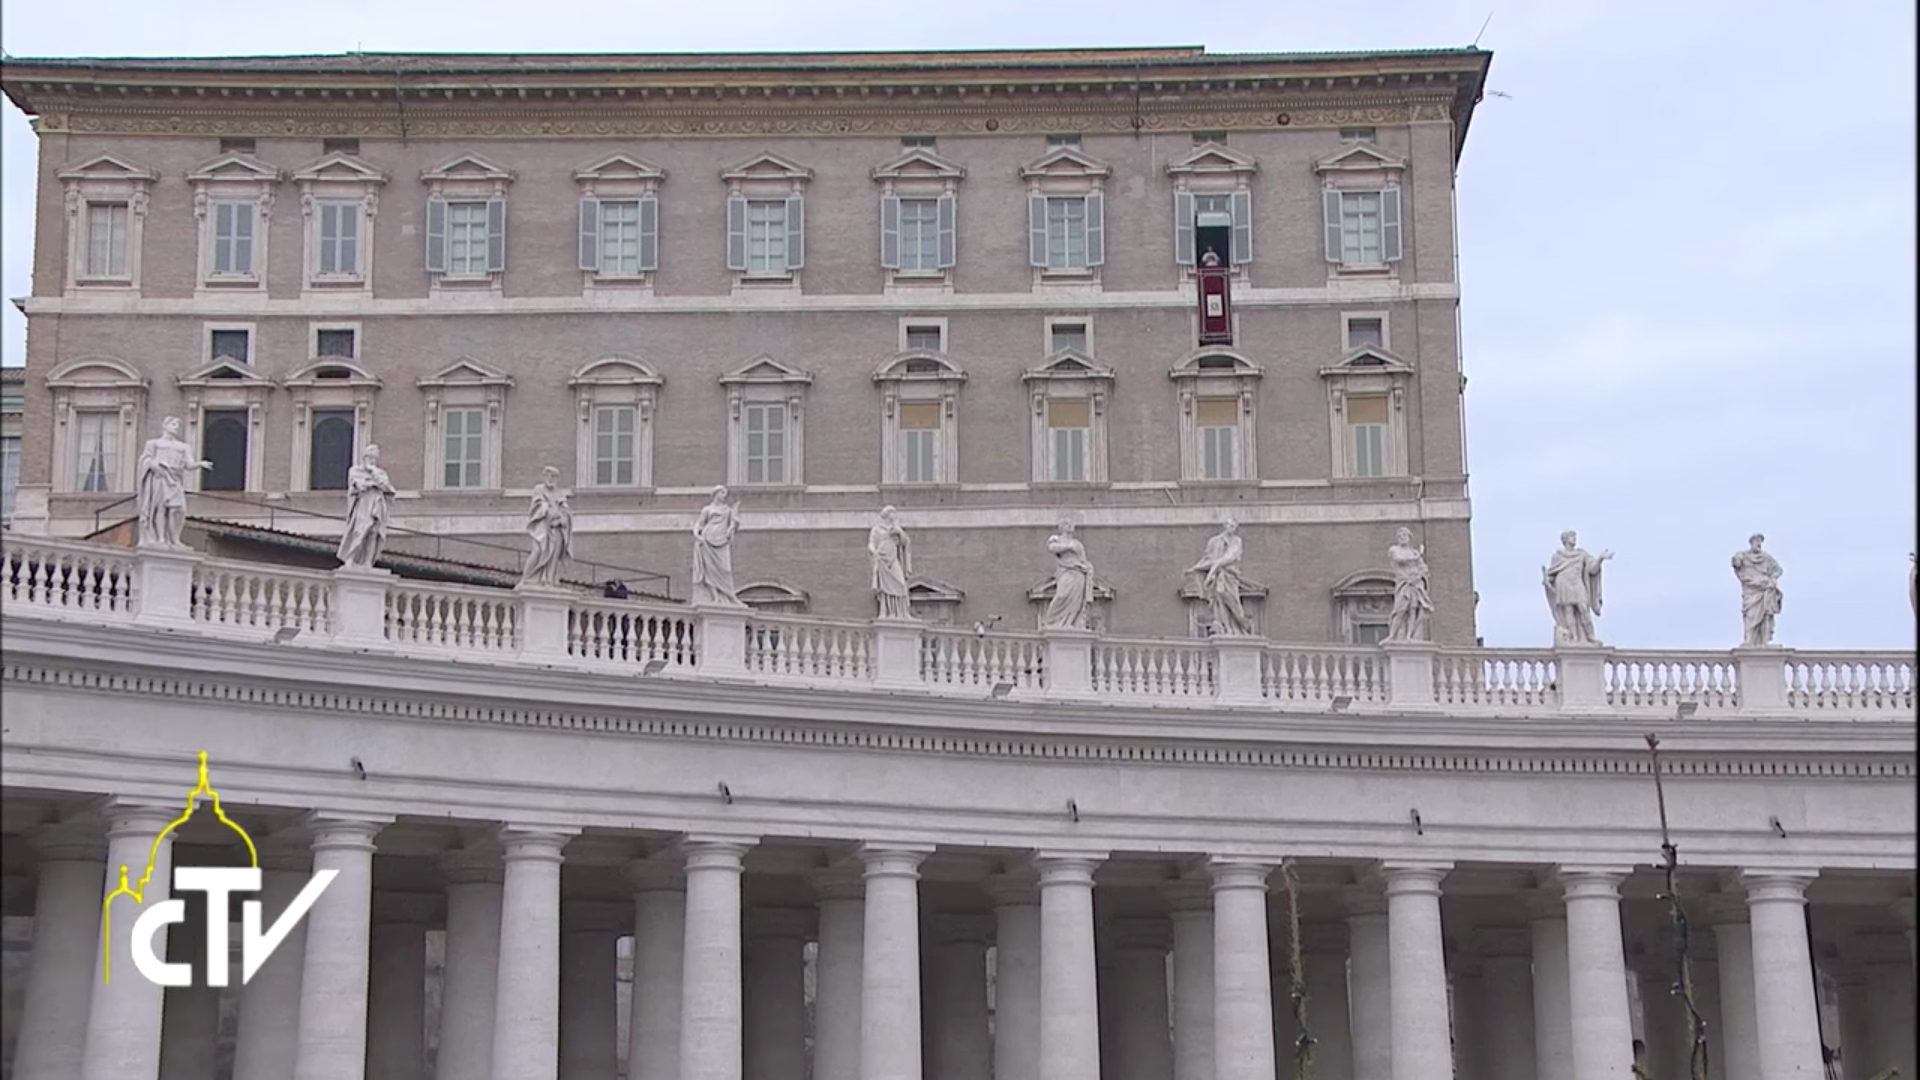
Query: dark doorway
(332, 451)
(223, 441)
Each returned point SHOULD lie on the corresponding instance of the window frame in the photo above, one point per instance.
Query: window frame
(766, 381)
(1361, 168)
(315, 329)
(1348, 318)
(465, 384)
(1362, 598)
(338, 178)
(104, 180)
(224, 384)
(920, 173)
(1368, 372)
(467, 179)
(614, 381)
(1213, 170)
(472, 436)
(229, 179)
(1069, 375)
(937, 381)
(1065, 172)
(327, 384)
(207, 330)
(1196, 381)
(96, 384)
(766, 178)
(619, 178)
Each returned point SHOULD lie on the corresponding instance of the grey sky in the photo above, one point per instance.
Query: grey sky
(1687, 253)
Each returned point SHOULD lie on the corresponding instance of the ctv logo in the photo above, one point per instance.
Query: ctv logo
(219, 883)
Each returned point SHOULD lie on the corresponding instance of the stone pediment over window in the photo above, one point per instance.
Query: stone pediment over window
(1064, 162)
(615, 371)
(1215, 363)
(466, 371)
(918, 365)
(1368, 360)
(926, 590)
(921, 163)
(224, 373)
(1068, 364)
(95, 371)
(774, 598)
(1357, 164)
(240, 168)
(618, 169)
(110, 168)
(1212, 160)
(764, 370)
(331, 373)
(472, 173)
(768, 167)
(340, 169)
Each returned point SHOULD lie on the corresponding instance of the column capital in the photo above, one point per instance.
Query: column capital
(126, 818)
(893, 860)
(405, 907)
(1239, 873)
(531, 844)
(1186, 894)
(69, 841)
(1139, 932)
(839, 881)
(1413, 878)
(1777, 886)
(1067, 867)
(715, 851)
(960, 927)
(1016, 888)
(1503, 941)
(471, 866)
(344, 832)
(776, 923)
(665, 872)
(595, 916)
(1580, 881)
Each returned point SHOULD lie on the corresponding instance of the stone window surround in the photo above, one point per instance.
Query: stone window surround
(1360, 166)
(104, 179)
(620, 177)
(920, 173)
(1368, 371)
(1212, 169)
(206, 341)
(313, 339)
(242, 178)
(245, 388)
(466, 178)
(1253, 600)
(1084, 321)
(934, 602)
(464, 384)
(898, 385)
(1362, 597)
(767, 175)
(615, 380)
(338, 177)
(96, 384)
(916, 322)
(311, 391)
(1072, 375)
(760, 381)
(1067, 171)
(1347, 319)
(1194, 383)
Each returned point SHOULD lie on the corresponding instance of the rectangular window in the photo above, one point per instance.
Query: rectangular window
(9, 474)
(465, 435)
(1069, 429)
(1063, 140)
(330, 449)
(1217, 137)
(1218, 421)
(919, 234)
(233, 237)
(336, 343)
(766, 432)
(237, 146)
(466, 238)
(223, 441)
(1367, 428)
(919, 442)
(908, 142)
(107, 240)
(1356, 134)
(613, 445)
(620, 236)
(339, 146)
(1066, 233)
(340, 238)
(1366, 334)
(926, 339)
(766, 236)
(1369, 633)
(229, 345)
(96, 450)
(1360, 227)
(1068, 336)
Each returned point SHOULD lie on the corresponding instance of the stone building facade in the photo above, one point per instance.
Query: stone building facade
(960, 284)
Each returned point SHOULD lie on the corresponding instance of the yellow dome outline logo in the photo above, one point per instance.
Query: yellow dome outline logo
(138, 892)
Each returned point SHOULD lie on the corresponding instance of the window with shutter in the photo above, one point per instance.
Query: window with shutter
(890, 232)
(919, 234)
(796, 232)
(619, 237)
(590, 234)
(1067, 232)
(1184, 207)
(946, 209)
(436, 236)
(649, 234)
(767, 236)
(496, 235)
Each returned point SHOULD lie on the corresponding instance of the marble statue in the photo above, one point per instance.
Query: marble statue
(1219, 568)
(162, 490)
(1412, 605)
(369, 501)
(1760, 595)
(892, 562)
(713, 551)
(550, 524)
(1072, 605)
(1572, 583)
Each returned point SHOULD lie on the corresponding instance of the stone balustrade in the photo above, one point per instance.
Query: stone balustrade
(186, 591)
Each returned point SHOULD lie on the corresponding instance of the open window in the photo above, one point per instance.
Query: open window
(1213, 206)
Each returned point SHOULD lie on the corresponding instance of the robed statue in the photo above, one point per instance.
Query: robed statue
(550, 524)
(1072, 605)
(1760, 594)
(1219, 568)
(162, 493)
(713, 533)
(892, 562)
(1412, 605)
(369, 503)
(1572, 583)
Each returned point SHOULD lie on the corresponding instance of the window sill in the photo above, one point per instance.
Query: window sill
(235, 281)
(337, 281)
(1248, 482)
(1068, 273)
(103, 283)
(465, 281)
(1070, 485)
(781, 488)
(1361, 270)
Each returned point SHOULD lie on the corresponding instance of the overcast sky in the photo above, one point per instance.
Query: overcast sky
(1687, 253)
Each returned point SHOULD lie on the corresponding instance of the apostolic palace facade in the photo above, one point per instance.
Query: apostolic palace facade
(1271, 814)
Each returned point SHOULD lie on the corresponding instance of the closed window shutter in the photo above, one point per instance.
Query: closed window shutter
(1183, 228)
(736, 232)
(796, 233)
(437, 235)
(650, 233)
(1242, 227)
(890, 231)
(496, 235)
(1330, 199)
(590, 234)
(1096, 230)
(1390, 224)
(1037, 230)
(947, 245)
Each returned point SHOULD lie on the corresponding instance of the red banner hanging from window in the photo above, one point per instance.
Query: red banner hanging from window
(1216, 306)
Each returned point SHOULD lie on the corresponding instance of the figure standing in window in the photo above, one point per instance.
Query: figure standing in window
(892, 562)
(1572, 583)
(713, 552)
(1208, 258)
(550, 524)
(1760, 595)
(1412, 606)
(369, 500)
(1220, 583)
(162, 478)
(1072, 605)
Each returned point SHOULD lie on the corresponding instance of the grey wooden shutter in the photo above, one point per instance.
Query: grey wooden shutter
(650, 233)
(1242, 228)
(1183, 228)
(1096, 230)
(496, 235)
(1037, 230)
(890, 232)
(946, 213)
(796, 233)
(437, 235)
(1330, 201)
(590, 234)
(1390, 224)
(736, 232)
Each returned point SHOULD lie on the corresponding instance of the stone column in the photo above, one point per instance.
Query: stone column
(526, 1000)
(1552, 1008)
(332, 1044)
(774, 993)
(468, 981)
(71, 866)
(397, 990)
(270, 1004)
(1418, 971)
(124, 1012)
(1890, 1015)
(1369, 981)
(190, 1031)
(841, 892)
(1142, 1048)
(1506, 973)
(710, 1005)
(659, 943)
(958, 1044)
(1069, 996)
(590, 989)
(1784, 1006)
(1242, 978)
(1324, 946)
(890, 963)
(1016, 977)
(1597, 975)
(1739, 1025)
